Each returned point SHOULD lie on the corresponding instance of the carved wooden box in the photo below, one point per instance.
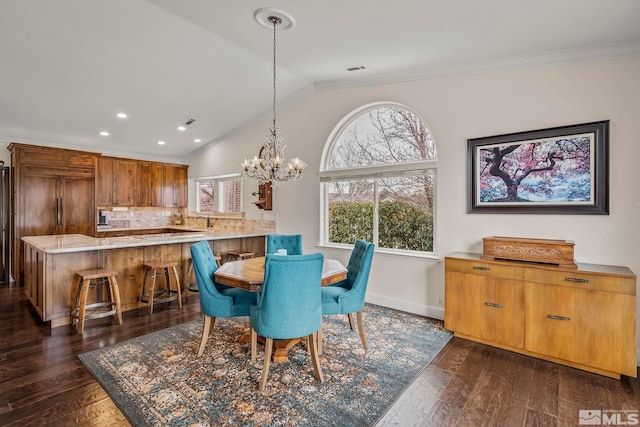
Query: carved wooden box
(547, 251)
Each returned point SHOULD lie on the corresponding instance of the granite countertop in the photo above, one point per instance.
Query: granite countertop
(68, 243)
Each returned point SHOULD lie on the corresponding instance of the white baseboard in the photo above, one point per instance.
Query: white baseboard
(410, 307)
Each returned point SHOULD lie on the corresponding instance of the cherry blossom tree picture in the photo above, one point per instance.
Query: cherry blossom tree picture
(563, 170)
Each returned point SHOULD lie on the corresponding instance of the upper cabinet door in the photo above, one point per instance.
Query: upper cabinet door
(168, 185)
(143, 184)
(104, 182)
(156, 185)
(180, 186)
(174, 188)
(124, 183)
(116, 182)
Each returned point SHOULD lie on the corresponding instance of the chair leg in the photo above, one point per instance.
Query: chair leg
(361, 330)
(209, 321)
(254, 343)
(267, 361)
(313, 338)
(350, 317)
(320, 339)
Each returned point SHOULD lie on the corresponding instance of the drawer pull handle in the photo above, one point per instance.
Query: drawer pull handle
(492, 304)
(477, 267)
(555, 317)
(576, 279)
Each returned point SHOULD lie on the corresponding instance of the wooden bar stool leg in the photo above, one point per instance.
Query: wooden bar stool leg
(84, 290)
(175, 273)
(144, 285)
(152, 291)
(115, 296)
(187, 278)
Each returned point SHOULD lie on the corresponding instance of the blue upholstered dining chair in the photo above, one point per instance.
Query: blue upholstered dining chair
(289, 306)
(291, 242)
(347, 296)
(224, 301)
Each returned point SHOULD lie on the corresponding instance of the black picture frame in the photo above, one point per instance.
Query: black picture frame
(574, 179)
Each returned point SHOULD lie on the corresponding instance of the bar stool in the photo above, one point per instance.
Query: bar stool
(239, 255)
(193, 286)
(99, 280)
(157, 296)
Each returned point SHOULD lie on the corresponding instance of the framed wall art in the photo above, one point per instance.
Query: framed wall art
(562, 170)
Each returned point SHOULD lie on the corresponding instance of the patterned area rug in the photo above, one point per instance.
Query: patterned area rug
(156, 379)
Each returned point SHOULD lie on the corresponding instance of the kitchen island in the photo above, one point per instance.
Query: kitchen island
(50, 263)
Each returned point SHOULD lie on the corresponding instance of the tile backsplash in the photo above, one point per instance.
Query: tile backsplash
(137, 217)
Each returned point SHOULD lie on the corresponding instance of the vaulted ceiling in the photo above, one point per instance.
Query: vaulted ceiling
(68, 66)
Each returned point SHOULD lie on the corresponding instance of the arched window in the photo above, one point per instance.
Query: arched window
(378, 176)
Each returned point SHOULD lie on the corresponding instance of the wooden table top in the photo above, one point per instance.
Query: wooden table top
(248, 274)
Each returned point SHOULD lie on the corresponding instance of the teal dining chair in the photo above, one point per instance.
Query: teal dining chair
(291, 242)
(347, 296)
(289, 306)
(216, 302)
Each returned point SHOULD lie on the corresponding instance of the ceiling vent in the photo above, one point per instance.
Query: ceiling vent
(358, 68)
(190, 121)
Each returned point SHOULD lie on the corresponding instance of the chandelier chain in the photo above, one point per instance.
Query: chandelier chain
(275, 21)
(268, 166)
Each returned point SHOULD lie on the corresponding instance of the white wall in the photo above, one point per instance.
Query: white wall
(457, 108)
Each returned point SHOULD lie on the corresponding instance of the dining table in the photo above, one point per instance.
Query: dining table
(248, 274)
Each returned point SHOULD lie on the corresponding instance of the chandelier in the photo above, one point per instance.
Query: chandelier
(267, 166)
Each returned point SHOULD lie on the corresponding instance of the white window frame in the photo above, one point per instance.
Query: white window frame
(374, 172)
(216, 180)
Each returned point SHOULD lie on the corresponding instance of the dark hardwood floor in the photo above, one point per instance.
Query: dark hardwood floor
(42, 382)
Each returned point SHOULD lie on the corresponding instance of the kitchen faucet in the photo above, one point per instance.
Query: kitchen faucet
(209, 223)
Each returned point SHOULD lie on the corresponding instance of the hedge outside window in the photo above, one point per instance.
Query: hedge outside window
(378, 180)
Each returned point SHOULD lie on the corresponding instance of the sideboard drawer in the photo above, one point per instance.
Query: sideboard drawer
(483, 268)
(582, 280)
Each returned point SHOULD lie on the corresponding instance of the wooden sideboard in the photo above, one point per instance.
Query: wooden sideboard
(584, 317)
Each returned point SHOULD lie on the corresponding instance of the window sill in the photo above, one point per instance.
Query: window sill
(384, 251)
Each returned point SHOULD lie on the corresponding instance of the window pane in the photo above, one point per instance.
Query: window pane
(383, 136)
(405, 213)
(205, 196)
(229, 195)
(350, 211)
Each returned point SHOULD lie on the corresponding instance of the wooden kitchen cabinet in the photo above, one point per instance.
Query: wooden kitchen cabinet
(174, 186)
(116, 182)
(180, 178)
(584, 317)
(161, 184)
(53, 193)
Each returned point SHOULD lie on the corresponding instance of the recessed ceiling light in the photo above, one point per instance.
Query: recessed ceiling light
(161, 142)
(104, 133)
(182, 128)
(121, 115)
(197, 140)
